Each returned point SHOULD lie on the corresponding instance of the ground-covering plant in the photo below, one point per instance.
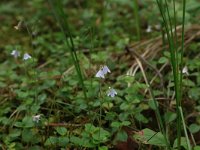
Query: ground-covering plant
(100, 75)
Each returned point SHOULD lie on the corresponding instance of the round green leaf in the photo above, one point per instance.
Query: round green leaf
(61, 130)
(169, 117)
(194, 128)
(162, 60)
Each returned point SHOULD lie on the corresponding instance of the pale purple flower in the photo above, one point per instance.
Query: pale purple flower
(26, 56)
(19, 25)
(15, 53)
(112, 92)
(185, 70)
(36, 118)
(106, 70)
(149, 29)
(102, 72)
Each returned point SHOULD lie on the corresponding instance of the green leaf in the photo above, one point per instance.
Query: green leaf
(151, 137)
(192, 5)
(187, 82)
(52, 140)
(125, 106)
(121, 136)
(126, 123)
(12, 146)
(21, 108)
(90, 128)
(34, 108)
(18, 124)
(116, 124)
(183, 143)
(194, 128)
(27, 122)
(197, 148)
(63, 141)
(132, 99)
(22, 94)
(162, 60)
(169, 117)
(194, 93)
(110, 116)
(127, 79)
(61, 130)
(152, 104)
(101, 135)
(141, 118)
(15, 133)
(167, 54)
(27, 135)
(85, 142)
(75, 140)
(42, 98)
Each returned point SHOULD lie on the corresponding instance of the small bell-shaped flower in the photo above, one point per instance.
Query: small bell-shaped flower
(19, 25)
(112, 92)
(185, 70)
(102, 72)
(26, 56)
(36, 118)
(106, 69)
(15, 53)
(149, 29)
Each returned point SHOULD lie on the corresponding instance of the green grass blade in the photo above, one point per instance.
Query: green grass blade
(64, 26)
(185, 130)
(136, 13)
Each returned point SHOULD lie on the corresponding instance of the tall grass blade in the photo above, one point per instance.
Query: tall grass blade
(64, 26)
(172, 42)
(136, 13)
(185, 130)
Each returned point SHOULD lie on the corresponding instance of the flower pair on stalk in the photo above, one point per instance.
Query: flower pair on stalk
(16, 54)
(101, 74)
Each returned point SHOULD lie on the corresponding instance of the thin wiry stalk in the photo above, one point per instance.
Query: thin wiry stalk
(169, 20)
(171, 47)
(176, 77)
(172, 34)
(158, 115)
(137, 25)
(172, 41)
(182, 44)
(181, 61)
(175, 33)
(64, 26)
(185, 130)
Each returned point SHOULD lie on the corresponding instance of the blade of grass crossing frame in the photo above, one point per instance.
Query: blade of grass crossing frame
(185, 130)
(64, 26)
(136, 13)
(174, 57)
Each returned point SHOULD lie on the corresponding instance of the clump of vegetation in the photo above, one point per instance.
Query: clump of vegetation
(100, 75)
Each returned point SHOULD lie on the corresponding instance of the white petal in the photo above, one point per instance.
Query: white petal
(185, 70)
(26, 56)
(148, 29)
(106, 69)
(36, 118)
(112, 93)
(15, 53)
(100, 74)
